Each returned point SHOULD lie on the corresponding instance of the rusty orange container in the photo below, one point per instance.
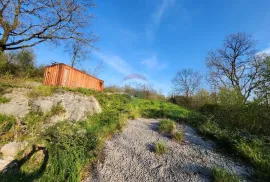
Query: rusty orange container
(66, 76)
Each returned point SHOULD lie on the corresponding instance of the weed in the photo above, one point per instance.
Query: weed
(160, 148)
(178, 136)
(57, 110)
(221, 175)
(167, 126)
(4, 100)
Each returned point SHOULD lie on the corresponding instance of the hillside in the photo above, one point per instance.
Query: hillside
(60, 134)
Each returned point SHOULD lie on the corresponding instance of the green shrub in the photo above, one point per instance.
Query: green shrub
(160, 148)
(178, 136)
(4, 100)
(167, 126)
(221, 175)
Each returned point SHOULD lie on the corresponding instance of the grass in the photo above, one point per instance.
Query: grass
(57, 110)
(178, 136)
(221, 175)
(4, 100)
(70, 150)
(7, 123)
(253, 149)
(167, 126)
(42, 91)
(160, 148)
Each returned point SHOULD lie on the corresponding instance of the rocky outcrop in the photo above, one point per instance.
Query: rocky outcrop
(18, 105)
(76, 106)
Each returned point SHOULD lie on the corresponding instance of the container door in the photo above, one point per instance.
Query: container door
(65, 77)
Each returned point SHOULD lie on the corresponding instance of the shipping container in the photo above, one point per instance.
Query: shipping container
(63, 75)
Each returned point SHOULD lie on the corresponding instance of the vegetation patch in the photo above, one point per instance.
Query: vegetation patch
(178, 136)
(42, 91)
(167, 126)
(7, 123)
(160, 148)
(4, 100)
(221, 175)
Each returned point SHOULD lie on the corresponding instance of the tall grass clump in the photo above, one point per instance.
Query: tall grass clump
(221, 175)
(167, 126)
(160, 148)
(178, 136)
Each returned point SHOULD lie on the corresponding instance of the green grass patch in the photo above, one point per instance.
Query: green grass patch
(167, 126)
(4, 100)
(178, 136)
(160, 148)
(42, 91)
(7, 124)
(221, 175)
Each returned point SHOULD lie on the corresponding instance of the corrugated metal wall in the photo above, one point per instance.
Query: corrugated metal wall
(64, 75)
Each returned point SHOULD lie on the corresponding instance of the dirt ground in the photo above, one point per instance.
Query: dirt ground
(129, 156)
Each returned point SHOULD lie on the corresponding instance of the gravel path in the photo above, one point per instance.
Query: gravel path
(129, 156)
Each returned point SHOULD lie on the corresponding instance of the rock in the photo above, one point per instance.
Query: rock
(18, 106)
(3, 164)
(76, 106)
(10, 150)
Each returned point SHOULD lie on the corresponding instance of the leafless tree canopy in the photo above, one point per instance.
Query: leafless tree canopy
(186, 82)
(77, 51)
(26, 23)
(236, 64)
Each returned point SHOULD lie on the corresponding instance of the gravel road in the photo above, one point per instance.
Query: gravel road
(129, 156)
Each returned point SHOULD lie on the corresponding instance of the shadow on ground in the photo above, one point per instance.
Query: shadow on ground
(13, 172)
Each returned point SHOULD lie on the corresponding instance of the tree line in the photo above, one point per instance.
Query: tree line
(235, 69)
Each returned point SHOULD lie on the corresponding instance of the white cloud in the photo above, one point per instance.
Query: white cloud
(152, 62)
(116, 63)
(157, 17)
(265, 51)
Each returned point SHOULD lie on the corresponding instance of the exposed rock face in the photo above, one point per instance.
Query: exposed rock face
(76, 106)
(18, 106)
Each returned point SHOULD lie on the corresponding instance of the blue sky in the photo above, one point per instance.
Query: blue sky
(156, 38)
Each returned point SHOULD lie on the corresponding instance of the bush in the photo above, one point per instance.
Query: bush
(167, 126)
(221, 175)
(178, 136)
(160, 148)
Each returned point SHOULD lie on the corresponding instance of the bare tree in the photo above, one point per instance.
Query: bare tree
(186, 82)
(26, 23)
(77, 51)
(98, 69)
(236, 64)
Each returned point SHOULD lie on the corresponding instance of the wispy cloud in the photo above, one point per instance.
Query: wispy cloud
(266, 51)
(157, 17)
(116, 62)
(152, 62)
